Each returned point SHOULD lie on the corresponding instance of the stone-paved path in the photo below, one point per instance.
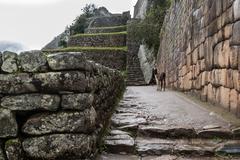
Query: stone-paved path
(150, 125)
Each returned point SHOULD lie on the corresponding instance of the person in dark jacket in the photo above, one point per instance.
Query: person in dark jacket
(162, 80)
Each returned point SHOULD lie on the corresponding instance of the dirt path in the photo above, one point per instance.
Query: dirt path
(165, 125)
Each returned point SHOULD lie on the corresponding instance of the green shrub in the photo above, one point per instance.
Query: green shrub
(148, 30)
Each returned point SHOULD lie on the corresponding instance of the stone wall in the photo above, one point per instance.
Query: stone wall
(200, 50)
(112, 58)
(98, 40)
(54, 106)
(111, 20)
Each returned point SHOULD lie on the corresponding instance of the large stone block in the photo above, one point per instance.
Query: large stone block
(236, 36)
(67, 61)
(13, 149)
(225, 97)
(60, 146)
(236, 80)
(74, 81)
(8, 124)
(236, 9)
(16, 84)
(29, 102)
(62, 122)
(233, 101)
(234, 54)
(33, 61)
(9, 64)
(77, 101)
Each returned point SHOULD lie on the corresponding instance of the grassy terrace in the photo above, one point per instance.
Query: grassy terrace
(124, 27)
(100, 34)
(79, 49)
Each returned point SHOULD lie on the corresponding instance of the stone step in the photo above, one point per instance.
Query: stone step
(119, 142)
(106, 29)
(190, 147)
(117, 39)
(155, 131)
(109, 156)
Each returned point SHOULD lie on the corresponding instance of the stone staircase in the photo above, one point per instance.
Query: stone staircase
(135, 135)
(135, 75)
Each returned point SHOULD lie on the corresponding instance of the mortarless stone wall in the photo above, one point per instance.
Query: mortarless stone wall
(54, 106)
(98, 40)
(200, 50)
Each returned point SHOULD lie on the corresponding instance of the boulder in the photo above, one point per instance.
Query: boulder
(8, 124)
(29, 102)
(16, 84)
(73, 81)
(62, 122)
(77, 101)
(60, 146)
(33, 61)
(146, 59)
(68, 61)
(9, 64)
(14, 151)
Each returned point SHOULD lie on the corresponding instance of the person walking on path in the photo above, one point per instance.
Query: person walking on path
(162, 80)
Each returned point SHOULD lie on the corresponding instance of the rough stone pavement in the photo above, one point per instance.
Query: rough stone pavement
(151, 125)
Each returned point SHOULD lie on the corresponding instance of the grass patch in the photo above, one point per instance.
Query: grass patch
(99, 34)
(78, 49)
(114, 27)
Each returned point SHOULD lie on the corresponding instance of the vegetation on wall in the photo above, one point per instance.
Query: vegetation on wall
(80, 23)
(148, 30)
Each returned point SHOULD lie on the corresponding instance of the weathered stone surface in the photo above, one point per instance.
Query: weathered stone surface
(9, 64)
(230, 149)
(63, 122)
(213, 133)
(16, 84)
(60, 146)
(146, 62)
(29, 102)
(160, 132)
(67, 61)
(183, 147)
(74, 81)
(8, 124)
(236, 35)
(236, 9)
(77, 101)
(13, 149)
(2, 156)
(33, 61)
(118, 142)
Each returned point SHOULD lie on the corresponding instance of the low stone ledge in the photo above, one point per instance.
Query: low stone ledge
(8, 124)
(63, 122)
(60, 146)
(77, 101)
(33, 61)
(29, 102)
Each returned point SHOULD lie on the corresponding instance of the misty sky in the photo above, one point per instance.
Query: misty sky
(34, 23)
